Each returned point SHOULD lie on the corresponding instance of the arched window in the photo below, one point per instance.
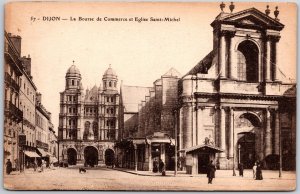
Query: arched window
(109, 84)
(95, 130)
(72, 82)
(247, 61)
(115, 84)
(87, 125)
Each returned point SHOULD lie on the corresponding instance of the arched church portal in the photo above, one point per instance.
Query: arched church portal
(248, 124)
(72, 156)
(90, 156)
(247, 61)
(109, 157)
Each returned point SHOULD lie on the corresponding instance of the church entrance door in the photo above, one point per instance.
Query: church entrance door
(109, 157)
(90, 156)
(72, 156)
(246, 154)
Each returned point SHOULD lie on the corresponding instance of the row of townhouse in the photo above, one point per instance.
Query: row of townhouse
(27, 124)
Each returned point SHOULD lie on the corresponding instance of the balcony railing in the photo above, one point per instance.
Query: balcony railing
(12, 111)
(11, 82)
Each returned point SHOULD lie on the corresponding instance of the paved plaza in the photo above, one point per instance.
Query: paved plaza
(119, 179)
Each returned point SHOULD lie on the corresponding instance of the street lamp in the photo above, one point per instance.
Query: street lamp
(233, 168)
(239, 147)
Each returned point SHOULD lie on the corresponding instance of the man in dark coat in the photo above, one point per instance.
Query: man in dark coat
(211, 168)
(259, 172)
(8, 166)
(155, 166)
(241, 169)
(161, 165)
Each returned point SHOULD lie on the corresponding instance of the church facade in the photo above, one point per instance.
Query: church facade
(88, 120)
(234, 97)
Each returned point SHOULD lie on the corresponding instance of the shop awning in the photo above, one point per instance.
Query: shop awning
(31, 154)
(43, 153)
(161, 140)
(204, 148)
(138, 141)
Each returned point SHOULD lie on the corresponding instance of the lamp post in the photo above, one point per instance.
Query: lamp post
(280, 148)
(233, 168)
(239, 147)
(175, 171)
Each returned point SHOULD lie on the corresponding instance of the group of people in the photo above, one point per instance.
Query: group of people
(159, 166)
(257, 171)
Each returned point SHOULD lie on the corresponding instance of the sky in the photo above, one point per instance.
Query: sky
(139, 52)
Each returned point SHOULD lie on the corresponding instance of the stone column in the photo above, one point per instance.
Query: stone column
(187, 134)
(200, 137)
(222, 57)
(275, 55)
(231, 131)
(232, 72)
(194, 125)
(135, 158)
(277, 128)
(268, 134)
(150, 157)
(268, 59)
(223, 131)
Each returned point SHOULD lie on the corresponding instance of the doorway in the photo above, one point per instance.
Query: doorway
(109, 157)
(203, 161)
(72, 156)
(90, 156)
(246, 152)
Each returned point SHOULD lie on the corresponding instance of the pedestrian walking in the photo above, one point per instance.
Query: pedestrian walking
(259, 172)
(155, 166)
(162, 167)
(254, 170)
(8, 166)
(211, 168)
(241, 169)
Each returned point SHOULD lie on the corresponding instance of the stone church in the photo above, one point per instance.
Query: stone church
(88, 120)
(233, 96)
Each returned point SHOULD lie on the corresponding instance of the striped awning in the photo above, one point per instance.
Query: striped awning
(43, 153)
(31, 154)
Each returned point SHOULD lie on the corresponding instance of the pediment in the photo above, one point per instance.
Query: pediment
(251, 17)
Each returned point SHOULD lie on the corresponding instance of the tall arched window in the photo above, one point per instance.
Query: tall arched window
(95, 130)
(72, 82)
(109, 84)
(87, 125)
(247, 61)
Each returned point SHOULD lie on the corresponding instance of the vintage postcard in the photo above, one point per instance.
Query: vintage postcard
(148, 96)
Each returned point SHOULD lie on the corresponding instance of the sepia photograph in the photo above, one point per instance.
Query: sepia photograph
(149, 96)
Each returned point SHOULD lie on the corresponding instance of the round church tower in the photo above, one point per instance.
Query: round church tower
(110, 79)
(73, 78)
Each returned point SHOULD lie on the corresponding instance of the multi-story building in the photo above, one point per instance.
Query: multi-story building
(88, 121)
(233, 102)
(27, 105)
(13, 113)
(53, 144)
(148, 122)
(43, 128)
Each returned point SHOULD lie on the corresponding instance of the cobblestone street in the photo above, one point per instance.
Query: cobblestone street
(113, 179)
